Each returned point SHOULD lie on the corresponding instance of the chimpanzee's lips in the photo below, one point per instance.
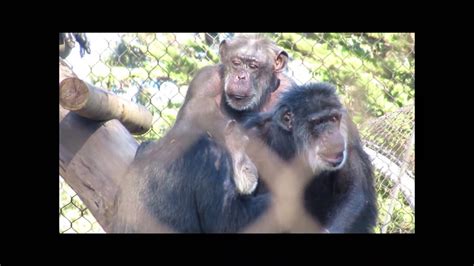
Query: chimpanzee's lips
(239, 97)
(239, 101)
(334, 160)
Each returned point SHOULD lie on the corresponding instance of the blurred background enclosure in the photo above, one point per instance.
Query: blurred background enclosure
(373, 72)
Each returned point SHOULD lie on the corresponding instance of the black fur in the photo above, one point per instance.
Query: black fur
(343, 200)
(196, 193)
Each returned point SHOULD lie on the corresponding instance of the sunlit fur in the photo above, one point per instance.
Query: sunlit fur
(245, 176)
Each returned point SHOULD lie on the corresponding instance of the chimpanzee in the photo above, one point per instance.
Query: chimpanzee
(310, 121)
(191, 193)
(248, 80)
(196, 192)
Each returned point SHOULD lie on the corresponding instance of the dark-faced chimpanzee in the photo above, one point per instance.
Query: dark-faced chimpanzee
(196, 192)
(310, 121)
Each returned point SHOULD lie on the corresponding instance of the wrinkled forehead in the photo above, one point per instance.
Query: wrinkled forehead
(252, 49)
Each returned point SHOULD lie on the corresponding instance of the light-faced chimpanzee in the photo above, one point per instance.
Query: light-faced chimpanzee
(249, 79)
(196, 192)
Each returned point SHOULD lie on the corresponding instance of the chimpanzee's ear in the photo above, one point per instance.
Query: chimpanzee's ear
(284, 117)
(280, 61)
(223, 49)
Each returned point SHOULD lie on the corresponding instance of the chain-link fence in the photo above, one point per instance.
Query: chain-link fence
(373, 73)
(389, 141)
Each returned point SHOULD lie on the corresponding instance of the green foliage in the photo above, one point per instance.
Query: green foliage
(127, 55)
(401, 218)
(375, 69)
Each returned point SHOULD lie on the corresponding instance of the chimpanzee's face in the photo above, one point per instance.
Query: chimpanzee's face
(250, 69)
(317, 122)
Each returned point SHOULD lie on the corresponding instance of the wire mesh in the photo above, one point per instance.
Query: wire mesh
(373, 72)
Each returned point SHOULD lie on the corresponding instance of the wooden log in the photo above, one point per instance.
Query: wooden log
(93, 157)
(97, 104)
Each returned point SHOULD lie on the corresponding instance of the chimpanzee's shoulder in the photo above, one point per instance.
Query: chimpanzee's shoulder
(207, 82)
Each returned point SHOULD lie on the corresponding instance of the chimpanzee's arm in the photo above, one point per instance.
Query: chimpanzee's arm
(348, 210)
(360, 194)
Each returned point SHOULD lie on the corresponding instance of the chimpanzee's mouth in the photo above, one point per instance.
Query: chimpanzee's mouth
(240, 102)
(239, 98)
(335, 160)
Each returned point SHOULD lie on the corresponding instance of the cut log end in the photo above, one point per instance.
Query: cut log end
(73, 94)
